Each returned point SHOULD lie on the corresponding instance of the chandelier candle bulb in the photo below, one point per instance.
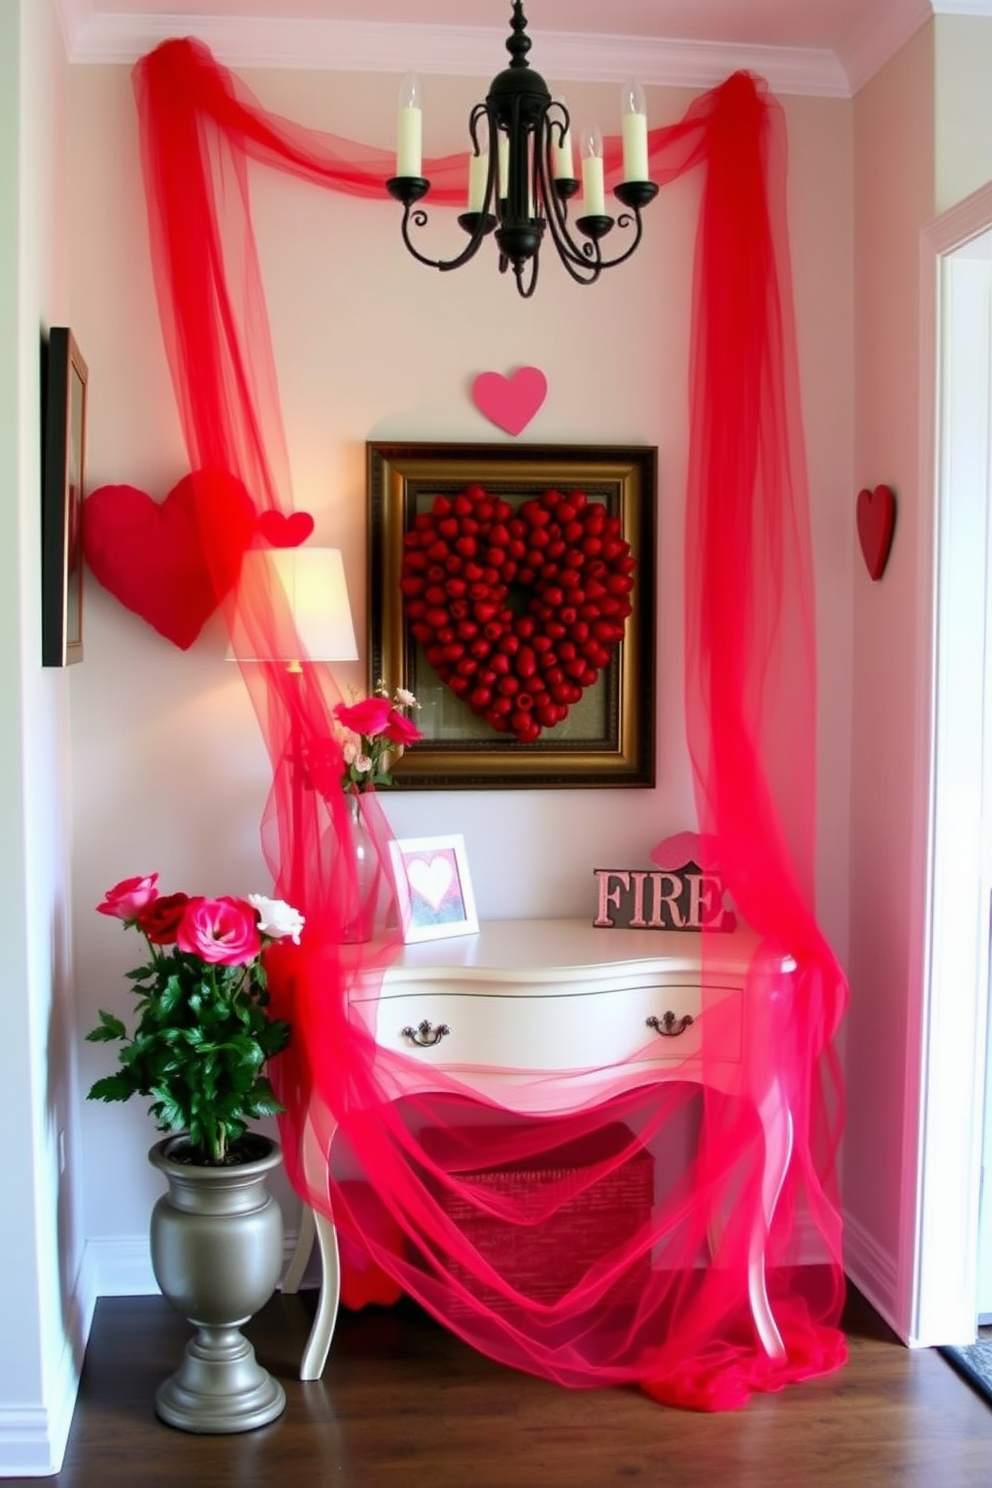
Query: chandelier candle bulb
(593, 192)
(478, 175)
(409, 128)
(634, 127)
(564, 166)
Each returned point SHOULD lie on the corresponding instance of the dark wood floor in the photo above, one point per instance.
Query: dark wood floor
(403, 1404)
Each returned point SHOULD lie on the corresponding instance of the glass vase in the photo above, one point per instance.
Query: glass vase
(360, 904)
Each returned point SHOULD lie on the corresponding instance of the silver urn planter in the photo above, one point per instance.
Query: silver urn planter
(217, 1251)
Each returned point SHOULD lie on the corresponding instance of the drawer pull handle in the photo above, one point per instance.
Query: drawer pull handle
(425, 1035)
(669, 1026)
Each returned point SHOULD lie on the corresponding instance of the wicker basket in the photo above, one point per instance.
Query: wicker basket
(545, 1258)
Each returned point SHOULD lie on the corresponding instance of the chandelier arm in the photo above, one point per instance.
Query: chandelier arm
(624, 221)
(582, 261)
(526, 290)
(419, 218)
(589, 255)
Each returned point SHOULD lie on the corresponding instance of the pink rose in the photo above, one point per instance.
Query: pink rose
(400, 730)
(223, 932)
(129, 896)
(369, 716)
(161, 919)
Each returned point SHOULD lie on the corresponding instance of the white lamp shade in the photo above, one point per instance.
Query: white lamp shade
(313, 624)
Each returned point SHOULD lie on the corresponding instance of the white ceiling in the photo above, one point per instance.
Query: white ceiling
(803, 46)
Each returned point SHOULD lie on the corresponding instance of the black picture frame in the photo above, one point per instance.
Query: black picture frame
(610, 739)
(64, 393)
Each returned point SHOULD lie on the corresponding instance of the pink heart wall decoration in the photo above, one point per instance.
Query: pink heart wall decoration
(510, 402)
(876, 516)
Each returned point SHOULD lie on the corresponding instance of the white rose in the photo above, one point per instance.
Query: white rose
(276, 918)
(406, 699)
(363, 764)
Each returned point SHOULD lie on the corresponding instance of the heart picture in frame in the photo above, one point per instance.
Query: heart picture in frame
(432, 878)
(433, 888)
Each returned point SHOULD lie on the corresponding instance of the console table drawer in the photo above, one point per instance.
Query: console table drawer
(538, 1032)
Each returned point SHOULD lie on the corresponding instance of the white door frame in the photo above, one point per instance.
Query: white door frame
(949, 985)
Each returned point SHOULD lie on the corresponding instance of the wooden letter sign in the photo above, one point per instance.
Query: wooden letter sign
(685, 898)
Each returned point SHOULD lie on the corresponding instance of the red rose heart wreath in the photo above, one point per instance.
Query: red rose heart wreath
(518, 608)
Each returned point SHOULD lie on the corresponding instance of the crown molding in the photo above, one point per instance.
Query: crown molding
(343, 46)
(93, 37)
(881, 32)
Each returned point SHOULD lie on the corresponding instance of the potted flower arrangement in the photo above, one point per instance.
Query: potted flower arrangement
(201, 1039)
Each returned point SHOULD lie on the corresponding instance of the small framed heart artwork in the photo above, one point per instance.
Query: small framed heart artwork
(512, 591)
(433, 888)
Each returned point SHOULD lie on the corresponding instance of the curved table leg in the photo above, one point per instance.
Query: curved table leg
(314, 1224)
(776, 1122)
(319, 1342)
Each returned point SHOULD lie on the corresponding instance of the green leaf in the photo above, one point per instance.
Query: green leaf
(112, 1088)
(273, 1036)
(108, 1029)
(263, 1101)
(171, 1115)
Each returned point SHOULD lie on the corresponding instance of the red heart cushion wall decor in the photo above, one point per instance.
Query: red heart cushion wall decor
(518, 608)
(876, 518)
(150, 555)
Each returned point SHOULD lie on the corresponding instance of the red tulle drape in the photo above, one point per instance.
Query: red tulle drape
(667, 1306)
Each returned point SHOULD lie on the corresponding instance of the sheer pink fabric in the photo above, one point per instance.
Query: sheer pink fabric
(665, 1302)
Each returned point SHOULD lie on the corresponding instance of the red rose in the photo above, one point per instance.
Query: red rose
(161, 919)
(129, 896)
(368, 716)
(223, 932)
(400, 730)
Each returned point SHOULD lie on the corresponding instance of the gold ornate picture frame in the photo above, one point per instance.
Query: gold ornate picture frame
(608, 737)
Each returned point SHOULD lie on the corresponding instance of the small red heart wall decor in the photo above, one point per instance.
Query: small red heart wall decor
(282, 531)
(510, 402)
(149, 554)
(876, 516)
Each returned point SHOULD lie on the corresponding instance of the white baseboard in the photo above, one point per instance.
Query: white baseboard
(123, 1268)
(115, 1268)
(873, 1271)
(33, 1438)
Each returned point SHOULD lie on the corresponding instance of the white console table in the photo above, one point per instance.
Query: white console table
(560, 995)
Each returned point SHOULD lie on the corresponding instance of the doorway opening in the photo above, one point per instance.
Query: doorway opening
(951, 1287)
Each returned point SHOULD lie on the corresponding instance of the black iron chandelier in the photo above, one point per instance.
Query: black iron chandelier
(521, 189)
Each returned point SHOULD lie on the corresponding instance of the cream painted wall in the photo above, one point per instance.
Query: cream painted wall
(39, 1237)
(893, 199)
(168, 769)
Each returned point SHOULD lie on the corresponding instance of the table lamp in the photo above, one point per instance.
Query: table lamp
(314, 624)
